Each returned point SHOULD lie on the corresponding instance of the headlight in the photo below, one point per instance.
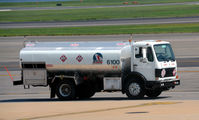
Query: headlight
(174, 72)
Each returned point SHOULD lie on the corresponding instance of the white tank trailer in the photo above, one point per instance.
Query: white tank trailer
(77, 70)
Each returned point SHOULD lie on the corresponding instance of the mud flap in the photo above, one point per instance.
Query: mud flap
(52, 93)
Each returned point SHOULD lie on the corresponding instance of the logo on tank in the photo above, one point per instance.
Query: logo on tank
(97, 58)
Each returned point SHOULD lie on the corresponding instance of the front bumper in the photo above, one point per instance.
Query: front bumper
(165, 85)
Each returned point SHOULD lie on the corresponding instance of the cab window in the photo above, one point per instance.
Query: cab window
(149, 54)
(139, 54)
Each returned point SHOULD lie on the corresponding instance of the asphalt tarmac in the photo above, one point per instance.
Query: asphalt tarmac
(138, 21)
(86, 7)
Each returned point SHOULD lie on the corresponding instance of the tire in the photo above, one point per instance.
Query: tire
(153, 93)
(65, 90)
(134, 89)
(85, 91)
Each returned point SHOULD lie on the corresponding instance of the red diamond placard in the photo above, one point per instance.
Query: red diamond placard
(63, 58)
(79, 58)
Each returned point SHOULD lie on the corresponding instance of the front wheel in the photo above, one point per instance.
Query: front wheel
(153, 93)
(65, 90)
(134, 89)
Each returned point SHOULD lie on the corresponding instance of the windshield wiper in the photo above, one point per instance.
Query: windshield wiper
(170, 59)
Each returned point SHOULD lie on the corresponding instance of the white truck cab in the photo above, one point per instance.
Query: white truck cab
(154, 59)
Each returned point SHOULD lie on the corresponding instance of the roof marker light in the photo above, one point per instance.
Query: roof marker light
(158, 40)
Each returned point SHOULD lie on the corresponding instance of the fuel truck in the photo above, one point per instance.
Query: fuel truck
(77, 70)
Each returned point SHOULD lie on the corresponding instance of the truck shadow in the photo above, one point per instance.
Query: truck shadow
(91, 99)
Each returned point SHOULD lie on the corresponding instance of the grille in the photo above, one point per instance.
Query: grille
(169, 72)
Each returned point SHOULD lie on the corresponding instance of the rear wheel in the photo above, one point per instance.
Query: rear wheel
(85, 91)
(153, 93)
(65, 90)
(134, 89)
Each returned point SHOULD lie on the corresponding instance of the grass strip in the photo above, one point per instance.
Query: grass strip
(100, 13)
(103, 30)
(88, 3)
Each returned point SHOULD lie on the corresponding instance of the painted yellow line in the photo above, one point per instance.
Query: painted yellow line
(102, 110)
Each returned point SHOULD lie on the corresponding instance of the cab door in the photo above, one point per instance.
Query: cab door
(143, 62)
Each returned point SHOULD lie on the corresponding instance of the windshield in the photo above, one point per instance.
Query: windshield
(164, 52)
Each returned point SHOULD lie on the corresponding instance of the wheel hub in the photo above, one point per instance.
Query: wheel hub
(65, 90)
(134, 89)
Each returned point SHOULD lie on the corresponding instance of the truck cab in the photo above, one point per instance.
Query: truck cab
(154, 62)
